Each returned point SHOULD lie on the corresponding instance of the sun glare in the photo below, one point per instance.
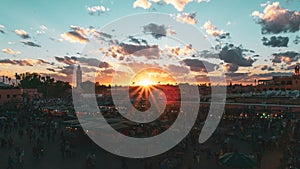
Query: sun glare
(145, 82)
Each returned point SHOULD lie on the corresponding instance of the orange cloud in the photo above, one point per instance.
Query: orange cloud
(142, 4)
(178, 4)
(78, 34)
(22, 33)
(188, 18)
(212, 30)
(25, 62)
(181, 51)
(276, 19)
(10, 51)
(74, 37)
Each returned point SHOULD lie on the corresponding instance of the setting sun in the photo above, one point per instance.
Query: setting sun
(145, 82)
(151, 77)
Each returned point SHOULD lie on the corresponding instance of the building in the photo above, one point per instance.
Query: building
(283, 83)
(18, 96)
(78, 76)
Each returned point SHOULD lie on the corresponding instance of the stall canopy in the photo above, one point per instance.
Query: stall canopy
(237, 160)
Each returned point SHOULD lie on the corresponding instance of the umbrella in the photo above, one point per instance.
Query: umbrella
(237, 160)
(3, 118)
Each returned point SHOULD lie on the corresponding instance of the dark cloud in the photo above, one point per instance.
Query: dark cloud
(134, 40)
(108, 71)
(137, 41)
(23, 34)
(157, 31)
(25, 62)
(290, 67)
(2, 29)
(225, 35)
(276, 41)
(64, 73)
(93, 62)
(297, 40)
(32, 44)
(148, 51)
(66, 60)
(85, 61)
(17, 62)
(270, 74)
(237, 75)
(206, 54)
(286, 57)
(270, 69)
(265, 67)
(88, 69)
(178, 70)
(197, 65)
(74, 36)
(137, 66)
(144, 42)
(103, 34)
(229, 67)
(51, 70)
(235, 55)
(67, 70)
(202, 78)
(277, 19)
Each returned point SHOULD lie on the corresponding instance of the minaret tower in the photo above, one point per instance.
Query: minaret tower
(296, 71)
(78, 76)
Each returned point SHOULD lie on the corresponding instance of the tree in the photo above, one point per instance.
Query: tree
(45, 85)
(17, 78)
(9, 79)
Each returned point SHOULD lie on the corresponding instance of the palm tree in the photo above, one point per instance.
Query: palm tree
(17, 78)
(43, 79)
(9, 79)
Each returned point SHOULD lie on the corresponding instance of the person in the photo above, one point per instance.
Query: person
(93, 159)
(18, 152)
(68, 149)
(150, 166)
(35, 151)
(21, 159)
(259, 158)
(194, 155)
(10, 141)
(198, 158)
(90, 160)
(10, 162)
(124, 164)
(3, 142)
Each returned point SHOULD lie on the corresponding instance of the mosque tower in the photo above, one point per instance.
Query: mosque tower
(78, 76)
(296, 71)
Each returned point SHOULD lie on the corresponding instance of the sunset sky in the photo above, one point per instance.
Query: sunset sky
(240, 39)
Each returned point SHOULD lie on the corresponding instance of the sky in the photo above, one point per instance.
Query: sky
(116, 41)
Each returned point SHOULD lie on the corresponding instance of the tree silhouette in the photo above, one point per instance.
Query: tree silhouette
(46, 85)
(9, 79)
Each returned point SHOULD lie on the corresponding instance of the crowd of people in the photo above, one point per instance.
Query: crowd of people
(261, 134)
